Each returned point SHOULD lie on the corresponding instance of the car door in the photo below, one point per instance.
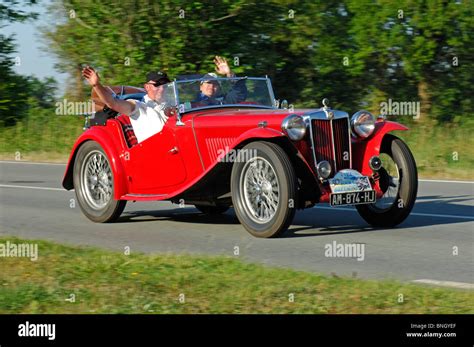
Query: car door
(156, 163)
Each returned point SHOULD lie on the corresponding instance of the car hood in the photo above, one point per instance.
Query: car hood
(243, 118)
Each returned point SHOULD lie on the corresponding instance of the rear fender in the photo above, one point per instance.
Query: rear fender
(363, 150)
(111, 148)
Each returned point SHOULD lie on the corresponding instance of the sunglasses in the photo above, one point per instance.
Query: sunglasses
(160, 82)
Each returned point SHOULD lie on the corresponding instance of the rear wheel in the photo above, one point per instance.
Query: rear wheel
(264, 190)
(398, 181)
(94, 184)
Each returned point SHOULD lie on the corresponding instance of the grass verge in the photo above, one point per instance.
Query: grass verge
(441, 151)
(110, 282)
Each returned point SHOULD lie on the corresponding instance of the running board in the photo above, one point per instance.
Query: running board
(144, 197)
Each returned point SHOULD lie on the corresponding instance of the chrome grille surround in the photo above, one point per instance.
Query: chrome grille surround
(333, 117)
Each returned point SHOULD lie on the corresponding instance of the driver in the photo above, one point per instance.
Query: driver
(147, 116)
(210, 92)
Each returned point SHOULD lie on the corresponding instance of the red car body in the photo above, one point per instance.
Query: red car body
(153, 171)
(183, 163)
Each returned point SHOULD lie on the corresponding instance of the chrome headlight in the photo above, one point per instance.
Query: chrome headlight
(324, 169)
(363, 124)
(294, 127)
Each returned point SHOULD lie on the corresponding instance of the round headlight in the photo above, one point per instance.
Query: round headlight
(294, 127)
(324, 169)
(363, 123)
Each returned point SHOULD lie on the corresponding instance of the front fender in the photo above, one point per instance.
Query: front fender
(111, 148)
(363, 150)
(263, 133)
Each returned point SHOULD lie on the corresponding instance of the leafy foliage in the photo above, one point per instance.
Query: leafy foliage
(356, 53)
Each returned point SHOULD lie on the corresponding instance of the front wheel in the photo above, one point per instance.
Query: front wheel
(399, 182)
(264, 190)
(94, 184)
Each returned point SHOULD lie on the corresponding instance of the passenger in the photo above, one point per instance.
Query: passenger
(210, 90)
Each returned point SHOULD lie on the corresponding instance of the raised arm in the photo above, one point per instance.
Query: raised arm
(238, 93)
(222, 67)
(121, 106)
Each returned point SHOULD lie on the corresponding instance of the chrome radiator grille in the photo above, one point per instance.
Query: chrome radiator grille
(331, 142)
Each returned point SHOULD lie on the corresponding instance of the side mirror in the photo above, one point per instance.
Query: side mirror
(284, 104)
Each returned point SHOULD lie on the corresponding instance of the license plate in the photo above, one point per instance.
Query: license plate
(352, 198)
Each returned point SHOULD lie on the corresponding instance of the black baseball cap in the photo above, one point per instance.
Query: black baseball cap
(158, 77)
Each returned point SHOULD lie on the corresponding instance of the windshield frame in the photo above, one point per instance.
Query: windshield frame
(181, 109)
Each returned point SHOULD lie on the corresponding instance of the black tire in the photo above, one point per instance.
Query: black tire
(212, 210)
(405, 198)
(104, 210)
(281, 178)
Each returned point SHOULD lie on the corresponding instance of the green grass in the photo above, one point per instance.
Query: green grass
(48, 134)
(109, 282)
(440, 151)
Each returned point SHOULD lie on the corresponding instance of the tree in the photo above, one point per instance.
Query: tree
(12, 94)
(125, 40)
(356, 53)
(417, 50)
(17, 91)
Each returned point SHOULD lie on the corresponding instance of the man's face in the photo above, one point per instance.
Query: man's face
(209, 88)
(154, 92)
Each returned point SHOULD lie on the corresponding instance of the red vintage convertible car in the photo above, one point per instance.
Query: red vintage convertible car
(264, 161)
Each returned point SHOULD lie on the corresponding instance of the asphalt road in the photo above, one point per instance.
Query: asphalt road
(34, 206)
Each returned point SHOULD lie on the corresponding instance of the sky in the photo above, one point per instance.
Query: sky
(32, 51)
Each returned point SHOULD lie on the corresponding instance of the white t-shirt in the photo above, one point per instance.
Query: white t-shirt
(148, 118)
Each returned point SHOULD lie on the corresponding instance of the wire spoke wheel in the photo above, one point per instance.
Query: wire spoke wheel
(264, 190)
(261, 189)
(97, 180)
(94, 184)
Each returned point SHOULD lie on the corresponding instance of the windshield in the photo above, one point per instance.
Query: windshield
(217, 92)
